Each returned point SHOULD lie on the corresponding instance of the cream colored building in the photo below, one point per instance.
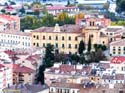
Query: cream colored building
(117, 48)
(67, 38)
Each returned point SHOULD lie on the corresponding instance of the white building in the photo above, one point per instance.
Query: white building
(6, 77)
(15, 40)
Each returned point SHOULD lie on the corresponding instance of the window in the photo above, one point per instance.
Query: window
(37, 37)
(76, 38)
(119, 52)
(56, 45)
(122, 68)
(103, 91)
(69, 45)
(60, 90)
(34, 44)
(49, 37)
(113, 49)
(110, 33)
(43, 44)
(43, 37)
(63, 46)
(93, 23)
(73, 91)
(119, 49)
(103, 42)
(69, 37)
(124, 48)
(56, 37)
(51, 90)
(75, 46)
(37, 45)
(68, 91)
(63, 38)
(121, 91)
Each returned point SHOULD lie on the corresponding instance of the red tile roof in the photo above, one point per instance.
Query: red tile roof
(23, 69)
(1, 66)
(10, 52)
(67, 69)
(118, 59)
(118, 43)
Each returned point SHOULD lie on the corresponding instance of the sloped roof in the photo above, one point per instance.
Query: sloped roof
(118, 59)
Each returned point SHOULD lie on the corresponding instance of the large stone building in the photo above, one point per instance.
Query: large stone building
(117, 48)
(67, 38)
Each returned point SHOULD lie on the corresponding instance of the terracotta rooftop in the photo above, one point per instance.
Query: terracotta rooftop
(63, 29)
(115, 77)
(118, 43)
(1, 66)
(23, 69)
(16, 33)
(66, 85)
(102, 34)
(57, 8)
(118, 59)
(69, 69)
(113, 29)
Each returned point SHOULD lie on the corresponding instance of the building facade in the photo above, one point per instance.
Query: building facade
(117, 48)
(6, 78)
(67, 38)
(15, 40)
(9, 22)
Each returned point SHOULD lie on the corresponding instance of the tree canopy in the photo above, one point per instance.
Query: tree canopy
(89, 44)
(81, 47)
(49, 55)
(120, 5)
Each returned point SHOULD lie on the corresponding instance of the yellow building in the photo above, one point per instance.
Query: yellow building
(67, 38)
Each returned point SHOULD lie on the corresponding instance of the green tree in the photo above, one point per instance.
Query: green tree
(96, 47)
(59, 57)
(36, 5)
(120, 5)
(3, 11)
(44, 10)
(82, 59)
(81, 47)
(49, 55)
(30, 22)
(68, 3)
(99, 55)
(36, 12)
(74, 58)
(100, 46)
(89, 44)
(48, 20)
(40, 75)
(106, 6)
(22, 10)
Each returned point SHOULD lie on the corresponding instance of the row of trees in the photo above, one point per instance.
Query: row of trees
(33, 22)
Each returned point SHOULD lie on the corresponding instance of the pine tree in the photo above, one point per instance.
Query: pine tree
(40, 75)
(49, 56)
(81, 47)
(89, 44)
